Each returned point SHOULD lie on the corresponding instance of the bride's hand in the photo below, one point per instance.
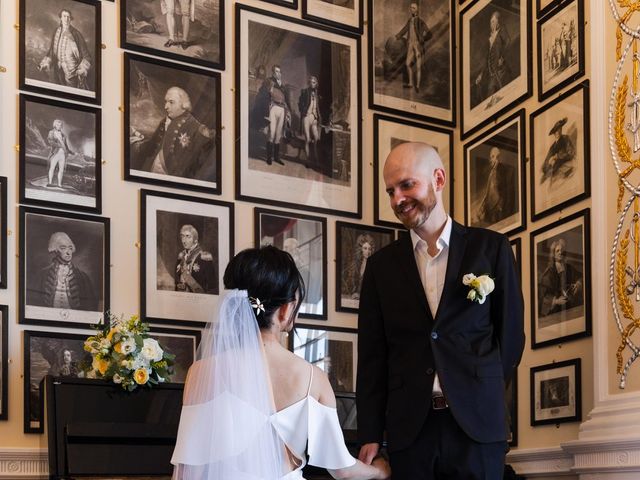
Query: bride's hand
(383, 468)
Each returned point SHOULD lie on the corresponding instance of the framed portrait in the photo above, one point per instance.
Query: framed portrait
(284, 3)
(561, 281)
(3, 232)
(181, 343)
(64, 268)
(355, 243)
(511, 401)
(305, 238)
(388, 133)
(346, 14)
(4, 362)
(556, 393)
(413, 75)
(60, 354)
(172, 124)
(494, 177)
(186, 243)
(560, 48)
(334, 350)
(195, 35)
(60, 48)
(60, 154)
(543, 7)
(298, 123)
(560, 155)
(495, 46)
(516, 247)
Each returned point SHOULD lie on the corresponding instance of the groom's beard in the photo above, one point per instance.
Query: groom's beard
(419, 210)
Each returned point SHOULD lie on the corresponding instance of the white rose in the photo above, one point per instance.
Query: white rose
(468, 278)
(117, 378)
(91, 374)
(486, 285)
(128, 346)
(151, 350)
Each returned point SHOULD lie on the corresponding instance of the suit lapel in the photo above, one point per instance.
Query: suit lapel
(457, 247)
(407, 260)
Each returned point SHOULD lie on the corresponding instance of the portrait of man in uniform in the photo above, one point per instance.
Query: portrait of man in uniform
(60, 47)
(195, 270)
(172, 124)
(187, 253)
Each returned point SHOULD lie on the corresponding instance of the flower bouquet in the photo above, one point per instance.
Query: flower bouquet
(124, 353)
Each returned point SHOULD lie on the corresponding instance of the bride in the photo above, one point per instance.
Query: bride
(251, 406)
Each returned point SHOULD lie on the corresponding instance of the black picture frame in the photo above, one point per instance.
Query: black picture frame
(183, 343)
(516, 246)
(78, 167)
(511, 401)
(42, 353)
(141, 34)
(4, 362)
(560, 315)
(354, 244)
(495, 198)
(44, 238)
(556, 393)
(348, 417)
(338, 16)
(389, 132)
(329, 179)
(543, 7)
(563, 179)
(3, 232)
(481, 102)
(37, 23)
(305, 238)
(325, 347)
(559, 65)
(192, 157)
(293, 4)
(434, 102)
(189, 300)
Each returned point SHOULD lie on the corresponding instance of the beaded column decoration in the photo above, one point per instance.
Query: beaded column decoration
(624, 142)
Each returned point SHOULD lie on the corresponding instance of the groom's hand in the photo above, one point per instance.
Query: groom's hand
(368, 452)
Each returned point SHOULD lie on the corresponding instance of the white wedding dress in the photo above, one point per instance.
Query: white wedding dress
(228, 427)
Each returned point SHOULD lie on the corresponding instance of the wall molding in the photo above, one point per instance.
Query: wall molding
(24, 463)
(541, 462)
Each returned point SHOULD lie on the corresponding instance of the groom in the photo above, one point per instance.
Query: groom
(432, 364)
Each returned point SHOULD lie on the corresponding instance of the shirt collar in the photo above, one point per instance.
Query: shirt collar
(443, 239)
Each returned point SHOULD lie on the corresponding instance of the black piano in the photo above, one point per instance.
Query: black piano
(95, 428)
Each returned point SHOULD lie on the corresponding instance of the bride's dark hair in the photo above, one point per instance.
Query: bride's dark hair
(269, 275)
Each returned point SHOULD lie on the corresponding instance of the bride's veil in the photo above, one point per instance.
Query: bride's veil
(225, 430)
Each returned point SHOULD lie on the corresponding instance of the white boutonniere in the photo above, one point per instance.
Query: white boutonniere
(480, 287)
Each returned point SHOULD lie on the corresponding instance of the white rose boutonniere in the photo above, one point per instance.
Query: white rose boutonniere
(480, 287)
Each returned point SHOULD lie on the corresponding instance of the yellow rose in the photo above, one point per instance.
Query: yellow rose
(100, 365)
(118, 347)
(141, 376)
(112, 332)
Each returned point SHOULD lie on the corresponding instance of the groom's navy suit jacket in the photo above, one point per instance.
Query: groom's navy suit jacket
(473, 347)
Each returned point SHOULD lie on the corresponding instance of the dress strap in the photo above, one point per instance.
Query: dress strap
(310, 380)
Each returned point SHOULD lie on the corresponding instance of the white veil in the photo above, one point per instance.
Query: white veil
(225, 429)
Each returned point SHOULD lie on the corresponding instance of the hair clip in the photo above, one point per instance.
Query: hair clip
(256, 304)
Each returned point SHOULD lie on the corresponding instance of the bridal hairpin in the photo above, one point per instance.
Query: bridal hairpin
(256, 304)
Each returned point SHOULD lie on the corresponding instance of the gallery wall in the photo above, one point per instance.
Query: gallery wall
(121, 201)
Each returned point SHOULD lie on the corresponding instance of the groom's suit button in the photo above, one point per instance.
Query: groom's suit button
(434, 335)
(429, 371)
